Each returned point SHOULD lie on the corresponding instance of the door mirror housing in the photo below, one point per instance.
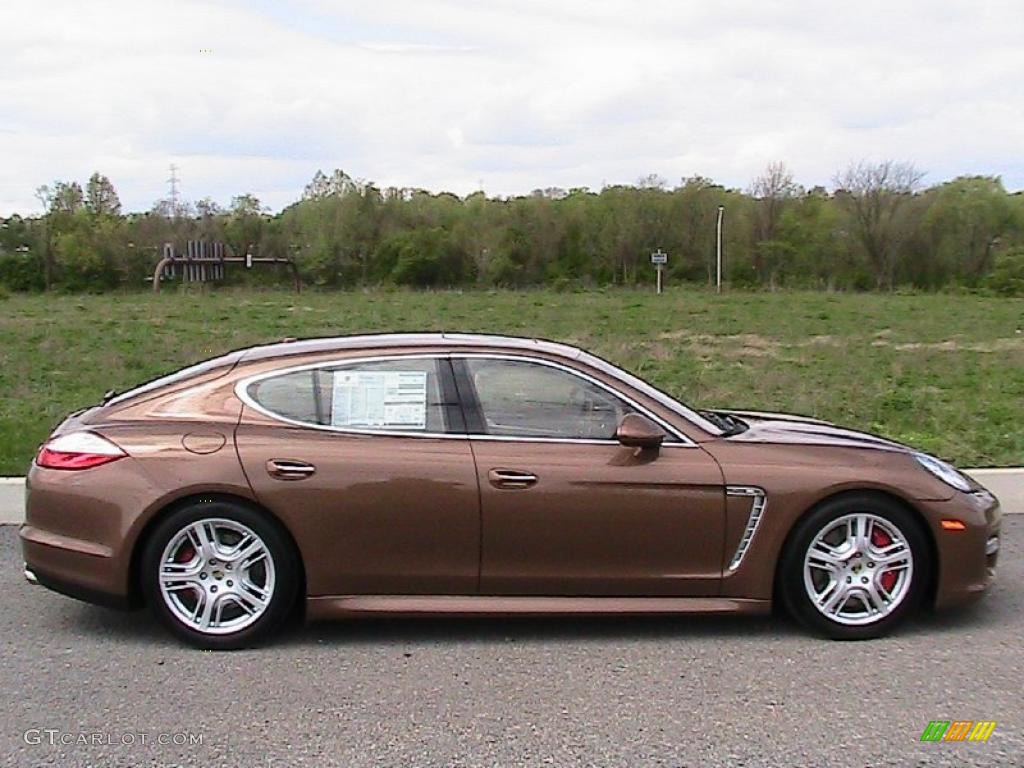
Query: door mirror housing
(636, 431)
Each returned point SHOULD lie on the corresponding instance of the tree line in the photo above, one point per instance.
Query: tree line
(878, 228)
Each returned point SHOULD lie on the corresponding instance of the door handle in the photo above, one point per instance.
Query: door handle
(289, 469)
(511, 478)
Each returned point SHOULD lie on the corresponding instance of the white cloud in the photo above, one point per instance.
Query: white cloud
(519, 93)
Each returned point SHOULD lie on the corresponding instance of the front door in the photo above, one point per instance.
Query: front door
(567, 510)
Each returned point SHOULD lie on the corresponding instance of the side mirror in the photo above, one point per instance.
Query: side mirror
(638, 431)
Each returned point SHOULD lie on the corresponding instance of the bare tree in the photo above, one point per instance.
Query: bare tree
(874, 196)
(66, 198)
(45, 197)
(772, 191)
(652, 181)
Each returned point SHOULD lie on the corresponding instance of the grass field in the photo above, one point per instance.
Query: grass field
(943, 373)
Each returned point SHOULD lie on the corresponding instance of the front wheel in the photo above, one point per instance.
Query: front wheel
(855, 567)
(219, 575)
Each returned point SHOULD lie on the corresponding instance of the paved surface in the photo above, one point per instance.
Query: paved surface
(12, 500)
(687, 691)
(1007, 484)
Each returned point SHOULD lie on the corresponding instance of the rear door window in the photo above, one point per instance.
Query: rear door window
(395, 395)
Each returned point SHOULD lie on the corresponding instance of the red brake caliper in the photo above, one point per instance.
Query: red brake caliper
(881, 539)
(184, 555)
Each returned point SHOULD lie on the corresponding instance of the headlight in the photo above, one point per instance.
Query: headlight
(948, 474)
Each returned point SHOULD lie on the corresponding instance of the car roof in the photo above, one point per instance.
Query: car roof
(223, 364)
(290, 347)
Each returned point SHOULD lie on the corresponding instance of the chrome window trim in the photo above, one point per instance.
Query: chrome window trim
(477, 437)
(758, 505)
(242, 386)
(684, 441)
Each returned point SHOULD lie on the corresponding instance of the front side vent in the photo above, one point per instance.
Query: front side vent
(758, 503)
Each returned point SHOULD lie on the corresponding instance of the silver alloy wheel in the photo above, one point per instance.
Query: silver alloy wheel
(216, 576)
(858, 569)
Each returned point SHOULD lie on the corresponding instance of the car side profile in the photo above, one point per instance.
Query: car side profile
(469, 474)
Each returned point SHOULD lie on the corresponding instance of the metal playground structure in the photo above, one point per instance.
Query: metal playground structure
(205, 262)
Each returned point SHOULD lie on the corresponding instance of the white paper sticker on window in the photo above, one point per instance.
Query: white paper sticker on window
(379, 399)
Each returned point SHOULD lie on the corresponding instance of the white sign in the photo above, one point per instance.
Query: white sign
(379, 399)
(659, 258)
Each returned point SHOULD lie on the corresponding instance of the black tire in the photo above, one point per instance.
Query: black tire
(280, 552)
(792, 586)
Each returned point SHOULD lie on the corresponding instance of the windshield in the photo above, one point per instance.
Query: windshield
(654, 393)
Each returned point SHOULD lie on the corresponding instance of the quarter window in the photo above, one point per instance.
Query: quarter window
(399, 395)
(525, 399)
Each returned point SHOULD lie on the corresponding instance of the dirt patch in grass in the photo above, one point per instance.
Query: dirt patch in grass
(1014, 344)
(755, 345)
(747, 344)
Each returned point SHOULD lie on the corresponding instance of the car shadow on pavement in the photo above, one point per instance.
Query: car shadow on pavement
(575, 629)
(133, 627)
(140, 627)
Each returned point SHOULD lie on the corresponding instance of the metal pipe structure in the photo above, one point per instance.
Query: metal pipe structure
(202, 264)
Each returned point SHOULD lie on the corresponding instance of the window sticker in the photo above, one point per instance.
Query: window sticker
(379, 399)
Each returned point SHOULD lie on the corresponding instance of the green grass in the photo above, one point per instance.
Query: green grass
(943, 373)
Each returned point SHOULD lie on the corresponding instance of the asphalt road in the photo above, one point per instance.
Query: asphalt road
(604, 692)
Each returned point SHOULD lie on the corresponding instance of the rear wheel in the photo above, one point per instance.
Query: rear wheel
(855, 567)
(219, 575)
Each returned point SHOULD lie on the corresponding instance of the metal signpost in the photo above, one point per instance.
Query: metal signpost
(718, 247)
(659, 259)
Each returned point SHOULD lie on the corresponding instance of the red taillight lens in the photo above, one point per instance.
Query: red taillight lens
(78, 450)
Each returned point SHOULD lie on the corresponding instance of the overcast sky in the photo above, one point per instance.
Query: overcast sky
(508, 94)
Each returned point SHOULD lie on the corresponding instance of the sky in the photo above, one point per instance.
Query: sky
(501, 95)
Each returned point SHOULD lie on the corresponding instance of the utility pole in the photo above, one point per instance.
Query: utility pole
(173, 181)
(718, 248)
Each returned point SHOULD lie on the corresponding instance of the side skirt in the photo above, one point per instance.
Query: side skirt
(348, 606)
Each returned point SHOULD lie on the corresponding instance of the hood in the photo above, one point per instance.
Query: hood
(788, 428)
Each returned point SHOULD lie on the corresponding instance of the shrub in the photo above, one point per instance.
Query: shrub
(1007, 276)
(21, 271)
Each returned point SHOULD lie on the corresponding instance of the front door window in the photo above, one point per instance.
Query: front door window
(532, 400)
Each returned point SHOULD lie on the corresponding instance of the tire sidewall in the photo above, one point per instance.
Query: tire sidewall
(278, 545)
(794, 592)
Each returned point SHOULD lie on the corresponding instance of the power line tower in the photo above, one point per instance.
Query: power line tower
(173, 181)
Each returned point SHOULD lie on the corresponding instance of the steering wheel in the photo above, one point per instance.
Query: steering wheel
(597, 416)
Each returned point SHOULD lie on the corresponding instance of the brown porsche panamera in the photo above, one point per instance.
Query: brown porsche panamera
(461, 474)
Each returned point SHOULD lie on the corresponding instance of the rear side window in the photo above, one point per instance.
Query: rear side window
(400, 395)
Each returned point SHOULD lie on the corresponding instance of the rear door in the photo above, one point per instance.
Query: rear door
(367, 463)
(567, 510)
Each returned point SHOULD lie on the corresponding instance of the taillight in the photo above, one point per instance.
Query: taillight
(78, 450)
